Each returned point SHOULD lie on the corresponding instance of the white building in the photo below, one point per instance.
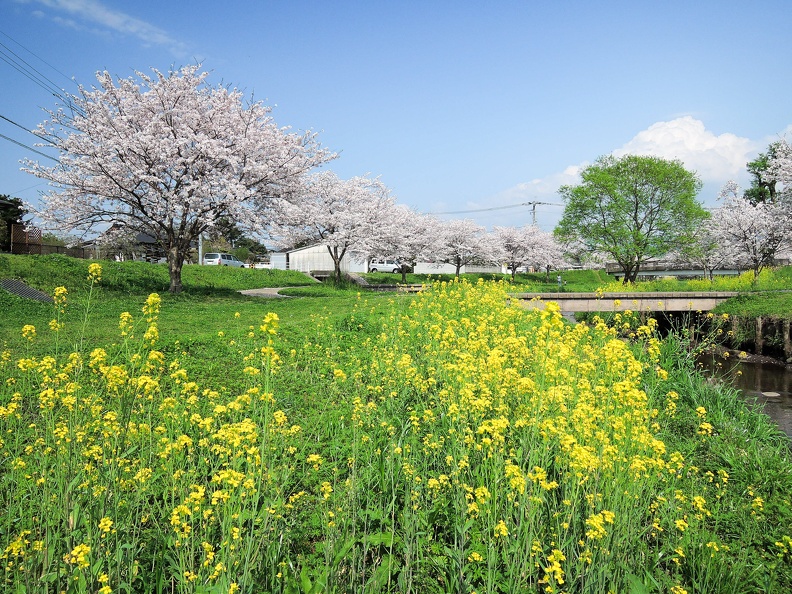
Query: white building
(440, 268)
(316, 258)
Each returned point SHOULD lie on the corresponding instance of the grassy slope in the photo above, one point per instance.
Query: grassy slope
(190, 321)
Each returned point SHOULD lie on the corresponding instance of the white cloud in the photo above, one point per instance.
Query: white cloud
(716, 158)
(92, 13)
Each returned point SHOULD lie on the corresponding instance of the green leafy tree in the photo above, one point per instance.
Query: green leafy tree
(632, 208)
(763, 185)
(11, 213)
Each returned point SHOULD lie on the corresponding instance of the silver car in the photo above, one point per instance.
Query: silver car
(215, 259)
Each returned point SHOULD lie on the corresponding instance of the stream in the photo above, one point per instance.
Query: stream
(768, 382)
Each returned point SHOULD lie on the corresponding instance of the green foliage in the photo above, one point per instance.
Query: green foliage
(632, 208)
(753, 305)
(11, 212)
(763, 188)
(242, 254)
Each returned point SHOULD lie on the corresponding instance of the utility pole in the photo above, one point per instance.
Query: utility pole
(533, 209)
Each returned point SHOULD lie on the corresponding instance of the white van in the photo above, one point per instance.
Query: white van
(386, 265)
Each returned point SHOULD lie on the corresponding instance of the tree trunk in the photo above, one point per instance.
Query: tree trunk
(458, 265)
(404, 273)
(635, 272)
(627, 273)
(336, 263)
(175, 263)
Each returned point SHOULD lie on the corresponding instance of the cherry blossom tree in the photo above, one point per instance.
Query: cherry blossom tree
(526, 246)
(347, 216)
(576, 251)
(708, 249)
(756, 231)
(170, 156)
(412, 237)
(462, 242)
(779, 168)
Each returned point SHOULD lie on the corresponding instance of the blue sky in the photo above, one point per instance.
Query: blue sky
(457, 106)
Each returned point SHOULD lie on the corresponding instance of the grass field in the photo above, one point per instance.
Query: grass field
(355, 442)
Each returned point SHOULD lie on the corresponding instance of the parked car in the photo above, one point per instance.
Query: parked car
(393, 266)
(215, 259)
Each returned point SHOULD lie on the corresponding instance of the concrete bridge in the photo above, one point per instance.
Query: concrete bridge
(592, 302)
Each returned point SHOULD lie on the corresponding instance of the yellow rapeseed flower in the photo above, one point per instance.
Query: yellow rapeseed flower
(152, 307)
(314, 460)
(94, 272)
(59, 297)
(78, 556)
(105, 524)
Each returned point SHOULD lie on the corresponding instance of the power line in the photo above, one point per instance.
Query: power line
(30, 72)
(495, 208)
(29, 76)
(20, 126)
(28, 188)
(39, 58)
(30, 148)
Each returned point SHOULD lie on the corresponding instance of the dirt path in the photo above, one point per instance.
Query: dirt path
(271, 292)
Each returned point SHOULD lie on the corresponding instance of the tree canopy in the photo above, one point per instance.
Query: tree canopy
(462, 242)
(779, 169)
(632, 208)
(755, 232)
(763, 185)
(346, 216)
(11, 212)
(527, 246)
(170, 156)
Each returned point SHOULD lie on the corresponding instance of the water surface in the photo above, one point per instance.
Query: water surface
(767, 382)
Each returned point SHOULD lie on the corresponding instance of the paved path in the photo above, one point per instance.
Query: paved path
(271, 292)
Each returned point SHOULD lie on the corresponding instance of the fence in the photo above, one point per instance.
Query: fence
(29, 241)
